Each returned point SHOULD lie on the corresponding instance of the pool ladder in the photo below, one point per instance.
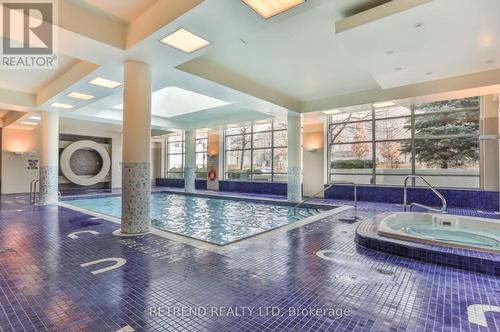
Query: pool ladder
(431, 187)
(33, 190)
(354, 185)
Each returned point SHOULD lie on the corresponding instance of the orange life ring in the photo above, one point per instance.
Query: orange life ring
(212, 175)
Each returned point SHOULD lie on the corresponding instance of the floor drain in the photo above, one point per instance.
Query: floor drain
(385, 272)
(6, 250)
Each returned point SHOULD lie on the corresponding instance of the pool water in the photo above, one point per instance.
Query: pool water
(215, 220)
(456, 236)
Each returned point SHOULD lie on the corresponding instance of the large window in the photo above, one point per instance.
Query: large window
(256, 151)
(201, 155)
(381, 146)
(175, 156)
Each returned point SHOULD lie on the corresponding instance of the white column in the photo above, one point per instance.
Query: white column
(136, 172)
(190, 161)
(294, 191)
(490, 148)
(49, 157)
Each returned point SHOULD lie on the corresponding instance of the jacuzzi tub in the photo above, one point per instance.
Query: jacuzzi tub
(446, 230)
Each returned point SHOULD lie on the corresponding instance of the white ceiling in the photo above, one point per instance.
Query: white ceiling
(31, 81)
(121, 10)
(440, 39)
(300, 56)
(296, 53)
(304, 58)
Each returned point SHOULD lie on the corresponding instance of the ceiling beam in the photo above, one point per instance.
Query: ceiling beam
(214, 72)
(89, 24)
(20, 99)
(159, 15)
(464, 82)
(376, 13)
(68, 78)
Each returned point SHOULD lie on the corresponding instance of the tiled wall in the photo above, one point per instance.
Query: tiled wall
(252, 187)
(179, 183)
(476, 199)
(249, 187)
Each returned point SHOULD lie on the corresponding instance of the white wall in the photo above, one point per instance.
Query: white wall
(96, 129)
(313, 162)
(15, 177)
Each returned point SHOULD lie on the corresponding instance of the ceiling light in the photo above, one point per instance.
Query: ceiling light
(29, 123)
(429, 73)
(34, 117)
(270, 8)
(63, 106)
(490, 61)
(398, 68)
(185, 41)
(81, 96)
(389, 52)
(330, 112)
(105, 83)
(384, 104)
(418, 25)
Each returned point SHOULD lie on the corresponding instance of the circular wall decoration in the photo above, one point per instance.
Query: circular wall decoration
(80, 179)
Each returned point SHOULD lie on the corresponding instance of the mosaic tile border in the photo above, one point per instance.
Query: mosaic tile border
(474, 199)
(471, 260)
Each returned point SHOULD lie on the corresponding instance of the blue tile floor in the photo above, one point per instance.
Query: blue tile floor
(165, 285)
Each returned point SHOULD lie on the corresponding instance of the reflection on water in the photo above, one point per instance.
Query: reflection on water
(218, 221)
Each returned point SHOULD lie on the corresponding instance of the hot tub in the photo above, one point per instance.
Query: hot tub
(446, 230)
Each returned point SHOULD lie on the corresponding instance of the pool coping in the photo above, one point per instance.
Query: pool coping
(205, 245)
(472, 260)
(264, 200)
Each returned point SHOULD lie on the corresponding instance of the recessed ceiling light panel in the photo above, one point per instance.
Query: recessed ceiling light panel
(105, 83)
(29, 123)
(185, 41)
(34, 117)
(63, 106)
(81, 96)
(384, 104)
(270, 8)
(330, 112)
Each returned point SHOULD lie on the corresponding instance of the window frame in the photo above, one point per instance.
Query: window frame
(167, 143)
(412, 139)
(272, 147)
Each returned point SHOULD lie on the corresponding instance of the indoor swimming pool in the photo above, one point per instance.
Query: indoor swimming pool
(215, 220)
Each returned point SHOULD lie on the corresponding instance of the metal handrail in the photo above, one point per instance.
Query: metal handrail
(431, 187)
(33, 187)
(355, 186)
